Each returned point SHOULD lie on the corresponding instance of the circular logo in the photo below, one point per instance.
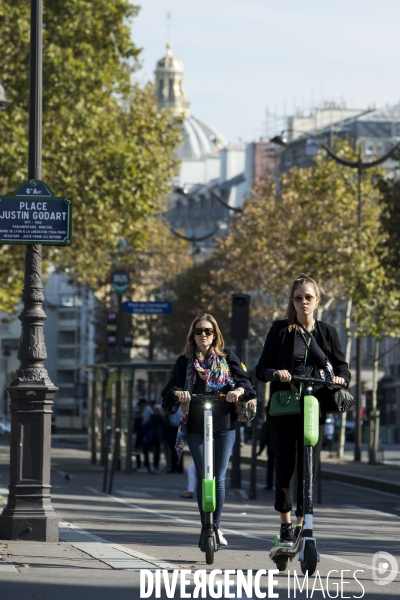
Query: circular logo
(120, 281)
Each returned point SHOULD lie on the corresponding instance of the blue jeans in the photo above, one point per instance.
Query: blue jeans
(223, 444)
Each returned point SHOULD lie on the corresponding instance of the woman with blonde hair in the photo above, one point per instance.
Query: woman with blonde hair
(298, 345)
(207, 366)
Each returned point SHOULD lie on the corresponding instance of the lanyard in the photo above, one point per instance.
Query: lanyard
(307, 342)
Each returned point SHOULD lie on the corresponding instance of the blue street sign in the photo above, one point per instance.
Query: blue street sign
(34, 215)
(148, 308)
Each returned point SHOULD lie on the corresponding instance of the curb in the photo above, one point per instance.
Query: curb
(374, 483)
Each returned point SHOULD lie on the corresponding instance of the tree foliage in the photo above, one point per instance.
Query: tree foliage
(307, 223)
(105, 142)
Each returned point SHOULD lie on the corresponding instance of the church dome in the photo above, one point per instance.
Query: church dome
(199, 139)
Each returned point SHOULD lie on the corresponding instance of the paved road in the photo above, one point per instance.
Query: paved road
(145, 522)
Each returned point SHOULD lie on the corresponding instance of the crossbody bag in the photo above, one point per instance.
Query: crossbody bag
(287, 402)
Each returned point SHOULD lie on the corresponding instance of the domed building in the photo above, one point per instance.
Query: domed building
(210, 168)
(199, 139)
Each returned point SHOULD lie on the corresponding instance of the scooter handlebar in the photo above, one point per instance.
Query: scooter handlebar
(212, 396)
(312, 380)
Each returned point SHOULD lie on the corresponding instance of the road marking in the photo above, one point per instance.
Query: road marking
(178, 519)
(230, 531)
(361, 487)
(113, 555)
(134, 494)
(352, 563)
(5, 567)
(370, 510)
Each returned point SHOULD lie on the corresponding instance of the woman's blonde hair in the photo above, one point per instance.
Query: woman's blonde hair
(218, 343)
(300, 280)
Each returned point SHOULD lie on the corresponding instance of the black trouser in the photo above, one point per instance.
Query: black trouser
(170, 437)
(270, 465)
(287, 435)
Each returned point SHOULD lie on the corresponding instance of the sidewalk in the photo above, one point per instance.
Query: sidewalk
(105, 540)
(385, 477)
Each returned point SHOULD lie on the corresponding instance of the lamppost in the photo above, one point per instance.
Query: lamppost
(6, 354)
(29, 514)
(183, 191)
(360, 166)
(194, 239)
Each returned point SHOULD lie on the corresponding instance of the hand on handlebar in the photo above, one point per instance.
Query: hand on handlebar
(338, 380)
(282, 375)
(234, 395)
(182, 396)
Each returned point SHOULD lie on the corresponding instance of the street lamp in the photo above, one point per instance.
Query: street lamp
(29, 514)
(194, 239)
(6, 354)
(360, 166)
(185, 192)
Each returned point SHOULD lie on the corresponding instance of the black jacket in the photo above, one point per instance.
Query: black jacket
(278, 355)
(225, 415)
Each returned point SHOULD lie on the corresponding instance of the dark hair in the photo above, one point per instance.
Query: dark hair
(218, 343)
(300, 280)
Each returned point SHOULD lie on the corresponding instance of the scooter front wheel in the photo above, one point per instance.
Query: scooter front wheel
(309, 564)
(282, 563)
(209, 549)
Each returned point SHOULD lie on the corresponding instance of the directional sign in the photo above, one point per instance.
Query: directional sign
(148, 308)
(34, 215)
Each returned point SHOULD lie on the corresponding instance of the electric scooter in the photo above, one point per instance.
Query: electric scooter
(209, 539)
(305, 544)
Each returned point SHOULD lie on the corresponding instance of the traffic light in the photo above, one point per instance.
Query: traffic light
(127, 341)
(240, 316)
(111, 330)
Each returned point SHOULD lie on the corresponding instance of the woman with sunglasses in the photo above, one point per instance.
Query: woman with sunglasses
(285, 354)
(206, 366)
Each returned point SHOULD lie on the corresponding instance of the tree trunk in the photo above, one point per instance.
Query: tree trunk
(374, 415)
(342, 429)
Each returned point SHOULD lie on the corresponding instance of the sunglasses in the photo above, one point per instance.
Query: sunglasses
(199, 330)
(307, 298)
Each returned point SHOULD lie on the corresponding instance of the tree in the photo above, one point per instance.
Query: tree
(309, 223)
(105, 142)
(390, 220)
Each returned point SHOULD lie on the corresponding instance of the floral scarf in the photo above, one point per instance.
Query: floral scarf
(216, 374)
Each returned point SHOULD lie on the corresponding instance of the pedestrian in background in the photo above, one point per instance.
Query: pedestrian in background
(267, 442)
(176, 464)
(153, 434)
(191, 481)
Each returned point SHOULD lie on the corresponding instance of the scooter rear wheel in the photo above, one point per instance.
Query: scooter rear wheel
(309, 564)
(209, 549)
(282, 563)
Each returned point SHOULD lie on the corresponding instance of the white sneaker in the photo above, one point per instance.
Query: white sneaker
(222, 539)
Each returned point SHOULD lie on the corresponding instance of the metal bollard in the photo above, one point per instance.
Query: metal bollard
(115, 458)
(106, 451)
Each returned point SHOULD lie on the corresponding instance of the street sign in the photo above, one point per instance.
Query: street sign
(34, 215)
(120, 281)
(147, 308)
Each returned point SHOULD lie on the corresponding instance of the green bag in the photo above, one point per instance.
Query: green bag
(287, 402)
(284, 402)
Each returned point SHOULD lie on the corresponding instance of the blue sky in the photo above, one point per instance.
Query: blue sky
(244, 57)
